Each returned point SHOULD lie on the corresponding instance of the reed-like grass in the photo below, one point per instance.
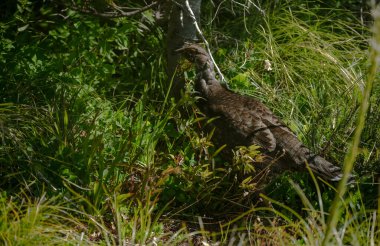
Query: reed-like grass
(96, 152)
(373, 60)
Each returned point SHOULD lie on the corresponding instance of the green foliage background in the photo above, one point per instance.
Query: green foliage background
(95, 151)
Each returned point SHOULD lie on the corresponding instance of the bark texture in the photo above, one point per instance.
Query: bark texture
(181, 29)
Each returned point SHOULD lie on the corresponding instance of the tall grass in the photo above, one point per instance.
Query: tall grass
(101, 154)
(317, 83)
(43, 221)
(374, 60)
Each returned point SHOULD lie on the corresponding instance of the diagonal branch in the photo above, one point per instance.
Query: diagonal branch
(190, 12)
(113, 14)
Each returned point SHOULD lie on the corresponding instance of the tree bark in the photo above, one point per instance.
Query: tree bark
(181, 29)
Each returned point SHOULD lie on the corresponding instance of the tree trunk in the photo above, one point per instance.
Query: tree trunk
(181, 29)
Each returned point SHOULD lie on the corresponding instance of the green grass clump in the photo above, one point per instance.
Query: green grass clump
(39, 222)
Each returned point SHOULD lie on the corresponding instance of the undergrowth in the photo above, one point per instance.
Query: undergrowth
(95, 151)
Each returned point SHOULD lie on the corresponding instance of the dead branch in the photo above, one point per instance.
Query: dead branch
(118, 11)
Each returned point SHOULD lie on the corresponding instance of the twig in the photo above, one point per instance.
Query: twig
(257, 7)
(121, 13)
(191, 14)
(216, 11)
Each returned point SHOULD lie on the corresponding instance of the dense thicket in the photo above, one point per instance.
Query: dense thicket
(89, 132)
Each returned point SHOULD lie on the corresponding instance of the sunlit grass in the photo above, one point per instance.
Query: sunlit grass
(374, 60)
(39, 222)
(106, 157)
